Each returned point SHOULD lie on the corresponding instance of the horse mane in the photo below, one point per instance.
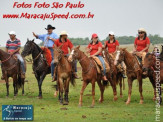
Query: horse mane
(37, 46)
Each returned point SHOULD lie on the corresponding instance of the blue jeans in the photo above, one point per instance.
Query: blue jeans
(52, 52)
(21, 62)
(75, 63)
(103, 64)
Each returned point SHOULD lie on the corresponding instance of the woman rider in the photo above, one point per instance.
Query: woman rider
(141, 44)
(95, 49)
(113, 45)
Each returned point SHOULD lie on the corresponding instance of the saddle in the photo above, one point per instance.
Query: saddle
(47, 55)
(99, 65)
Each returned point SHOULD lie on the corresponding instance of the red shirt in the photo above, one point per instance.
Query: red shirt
(95, 48)
(141, 44)
(112, 46)
(65, 46)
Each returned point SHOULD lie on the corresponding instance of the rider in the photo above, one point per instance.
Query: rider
(141, 44)
(113, 45)
(63, 39)
(13, 47)
(48, 40)
(95, 49)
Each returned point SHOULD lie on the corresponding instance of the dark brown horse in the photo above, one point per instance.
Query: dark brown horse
(89, 74)
(134, 71)
(64, 74)
(11, 68)
(40, 65)
(153, 66)
(115, 77)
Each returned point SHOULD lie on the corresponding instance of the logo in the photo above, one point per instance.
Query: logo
(17, 112)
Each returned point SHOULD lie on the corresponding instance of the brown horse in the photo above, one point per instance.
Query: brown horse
(64, 74)
(115, 76)
(11, 68)
(89, 74)
(153, 66)
(134, 71)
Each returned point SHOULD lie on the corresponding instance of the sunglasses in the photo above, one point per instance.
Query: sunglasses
(140, 32)
(110, 35)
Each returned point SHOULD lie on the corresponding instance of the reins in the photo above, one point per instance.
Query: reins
(6, 59)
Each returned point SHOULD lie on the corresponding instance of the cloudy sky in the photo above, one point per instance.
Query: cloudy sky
(124, 17)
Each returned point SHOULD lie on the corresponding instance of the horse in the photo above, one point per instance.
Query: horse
(89, 74)
(134, 71)
(153, 66)
(115, 76)
(11, 68)
(161, 54)
(40, 65)
(64, 74)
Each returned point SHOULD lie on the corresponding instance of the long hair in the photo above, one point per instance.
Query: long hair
(113, 41)
(145, 35)
(60, 39)
(96, 42)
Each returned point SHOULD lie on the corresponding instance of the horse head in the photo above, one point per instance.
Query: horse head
(57, 53)
(149, 62)
(75, 53)
(28, 48)
(119, 56)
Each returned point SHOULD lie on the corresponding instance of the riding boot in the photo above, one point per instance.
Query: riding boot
(73, 71)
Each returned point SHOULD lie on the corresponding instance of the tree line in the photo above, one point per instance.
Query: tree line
(155, 39)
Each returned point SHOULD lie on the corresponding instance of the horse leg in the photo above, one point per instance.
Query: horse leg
(7, 86)
(23, 86)
(81, 92)
(66, 90)
(102, 88)
(61, 90)
(15, 85)
(40, 84)
(154, 86)
(93, 93)
(120, 85)
(129, 91)
(140, 89)
(113, 84)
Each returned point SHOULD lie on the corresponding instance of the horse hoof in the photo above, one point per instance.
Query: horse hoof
(154, 98)
(22, 94)
(55, 94)
(100, 100)
(127, 103)
(92, 106)
(141, 102)
(80, 105)
(65, 103)
(121, 96)
(39, 97)
(115, 98)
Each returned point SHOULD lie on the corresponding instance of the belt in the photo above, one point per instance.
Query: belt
(50, 47)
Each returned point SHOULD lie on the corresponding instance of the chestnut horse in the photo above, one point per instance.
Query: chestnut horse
(89, 74)
(64, 74)
(11, 68)
(134, 71)
(115, 76)
(153, 66)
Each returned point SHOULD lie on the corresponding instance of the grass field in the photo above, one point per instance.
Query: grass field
(48, 109)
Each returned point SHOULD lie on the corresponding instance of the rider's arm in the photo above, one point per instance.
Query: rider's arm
(15, 51)
(146, 48)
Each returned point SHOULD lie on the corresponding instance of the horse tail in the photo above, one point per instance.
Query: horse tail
(72, 79)
(123, 84)
(20, 81)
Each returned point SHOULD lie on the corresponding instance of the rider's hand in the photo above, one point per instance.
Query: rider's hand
(34, 34)
(70, 58)
(49, 38)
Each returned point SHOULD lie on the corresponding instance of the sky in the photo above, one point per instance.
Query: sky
(124, 17)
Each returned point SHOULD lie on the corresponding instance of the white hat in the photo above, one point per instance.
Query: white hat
(12, 33)
(63, 33)
(142, 30)
(111, 33)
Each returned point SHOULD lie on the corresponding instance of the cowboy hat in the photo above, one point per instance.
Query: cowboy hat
(63, 33)
(49, 27)
(142, 30)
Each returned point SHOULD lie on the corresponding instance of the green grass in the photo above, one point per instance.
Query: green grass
(48, 109)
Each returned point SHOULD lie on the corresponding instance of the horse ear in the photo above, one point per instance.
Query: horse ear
(33, 40)
(27, 39)
(124, 49)
(78, 47)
